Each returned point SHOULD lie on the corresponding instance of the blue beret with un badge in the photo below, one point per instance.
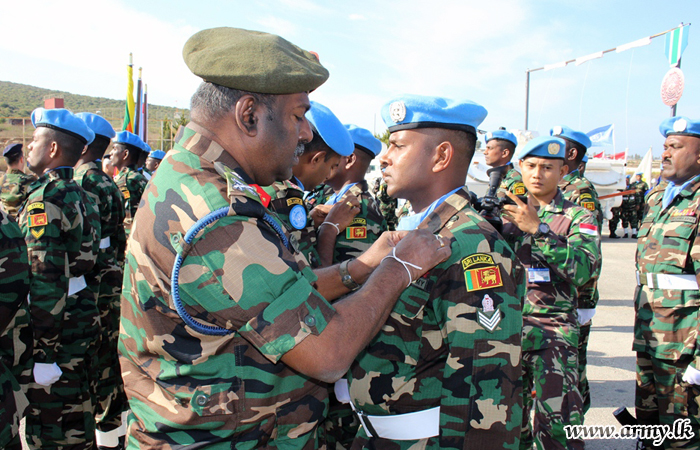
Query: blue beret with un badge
(543, 147)
(65, 121)
(409, 112)
(98, 124)
(364, 140)
(157, 154)
(571, 135)
(331, 130)
(503, 135)
(129, 138)
(680, 125)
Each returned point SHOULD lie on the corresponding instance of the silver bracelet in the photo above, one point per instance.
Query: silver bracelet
(335, 225)
(404, 264)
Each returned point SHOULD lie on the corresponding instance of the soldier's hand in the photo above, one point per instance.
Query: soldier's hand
(419, 251)
(522, 215)
(344, 211)
(319, 213)
(381, 247)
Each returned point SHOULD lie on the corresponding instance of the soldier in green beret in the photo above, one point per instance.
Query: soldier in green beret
(227, 336)
(14, 184)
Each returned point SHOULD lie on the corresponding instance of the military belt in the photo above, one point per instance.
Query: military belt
(106, 242)
(667, 281)
(76, 284)
(402, 427)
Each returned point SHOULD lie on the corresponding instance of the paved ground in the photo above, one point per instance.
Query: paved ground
(611, 362)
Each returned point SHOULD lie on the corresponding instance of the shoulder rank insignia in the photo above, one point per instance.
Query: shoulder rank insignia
(488, 316)
(37, 219)
(485, 274)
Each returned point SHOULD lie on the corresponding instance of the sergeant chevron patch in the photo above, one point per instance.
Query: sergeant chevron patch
(488, 317)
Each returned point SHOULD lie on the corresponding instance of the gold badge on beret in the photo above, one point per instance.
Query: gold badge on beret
(553, 148)
(680, 125)
(397, 111)
(556, 131)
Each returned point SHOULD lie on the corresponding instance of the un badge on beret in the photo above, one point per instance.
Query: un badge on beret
(397, 110)
(680, 125)
(553, 148)
(556, 131)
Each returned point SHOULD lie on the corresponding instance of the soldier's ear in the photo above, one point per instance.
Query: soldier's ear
(350, 161)
(246, 115)
(443, 156)
(55, 150)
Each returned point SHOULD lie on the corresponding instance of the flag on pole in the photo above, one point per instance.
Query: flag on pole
(129, 107)
(599, 155)
(676, 41)
(143, 115)
(139, 97)
(619, 156)
(601, 136)
(644, 167)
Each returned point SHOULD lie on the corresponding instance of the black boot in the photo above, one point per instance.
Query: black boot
(613, 235)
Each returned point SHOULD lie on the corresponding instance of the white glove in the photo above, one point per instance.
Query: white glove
(585, 315)
(692, 375)
(342, 393)
(47, 374)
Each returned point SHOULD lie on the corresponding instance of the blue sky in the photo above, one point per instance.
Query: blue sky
(376, 50)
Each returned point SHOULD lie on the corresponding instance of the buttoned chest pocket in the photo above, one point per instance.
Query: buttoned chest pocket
(675, 244)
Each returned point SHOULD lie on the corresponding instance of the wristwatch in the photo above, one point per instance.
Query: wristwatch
(542, 230)
(345, 276)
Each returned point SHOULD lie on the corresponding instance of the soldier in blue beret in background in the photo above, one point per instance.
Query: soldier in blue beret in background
(558, 242)
(578, 189)
(666, 301)
(444, 371)
(14, 183)
(317, 159)
(153, 161)
(105, 279)
(126, 151)
(500, 147)
(61, 226)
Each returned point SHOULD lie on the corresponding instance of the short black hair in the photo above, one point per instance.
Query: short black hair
(317, 144)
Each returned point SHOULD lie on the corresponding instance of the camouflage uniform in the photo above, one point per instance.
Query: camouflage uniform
(284, 198)
(579, 190)
(364, 229)
(628, 210)
(318, 196)
(453, 341)
(61, 227)
(667, 320)
(188, 388)
(105, 280)
(131, 183)
(641, 187)
(570, 256)
(387, 205)
(15, 331)
(512, 182)
(14, 187)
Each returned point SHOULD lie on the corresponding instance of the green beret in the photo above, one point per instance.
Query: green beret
(252, 61)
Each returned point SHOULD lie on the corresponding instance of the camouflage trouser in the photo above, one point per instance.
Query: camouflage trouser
(61, 416)
(583, 386)
(553, 375)
(630, 218)
(14, 402)
(612, 223)
(111, 399)
(341, 424)
(662, 397)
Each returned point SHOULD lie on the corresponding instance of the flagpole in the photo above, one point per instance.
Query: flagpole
(137, 122)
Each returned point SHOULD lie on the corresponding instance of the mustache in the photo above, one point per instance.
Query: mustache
(299, 150)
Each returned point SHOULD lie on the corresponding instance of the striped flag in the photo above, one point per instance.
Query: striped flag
(129, 108)
(676, 41)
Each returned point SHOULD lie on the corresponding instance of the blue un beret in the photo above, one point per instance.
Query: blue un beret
(364, 140)
(680, 125)
(502, 134)
(157, 154)
(12, 149)
(571, 135)
(543, 147)
(330, 129)
(129, 138)
(63, 120)
(416, 111)
(98, 124)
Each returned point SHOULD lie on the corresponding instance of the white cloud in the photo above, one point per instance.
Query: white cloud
(357, 17)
